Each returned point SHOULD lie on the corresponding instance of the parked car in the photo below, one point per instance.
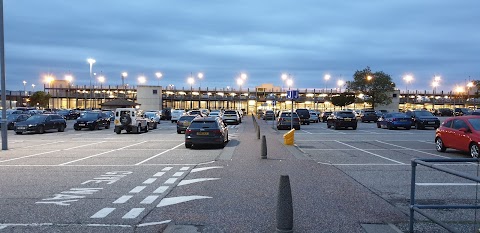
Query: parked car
(92, 121)
(166, 114)
(206, 131)
(342, 119)
(184, 122)
(176, 114)
(68, 114)
(422, 119)
(325, 115)
(460, 133)
(12, 119)
(368, 116)
(462, 111)
(110, 114)
(394, 120)
(195, 113)
(231, 117)
(445, 112)
(269, 115)
(154, 116)
(41, 123)
(313, 117)
(304, 115)
(285, 118)
(215, 114)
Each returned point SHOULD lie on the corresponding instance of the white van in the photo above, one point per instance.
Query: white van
(176, 114)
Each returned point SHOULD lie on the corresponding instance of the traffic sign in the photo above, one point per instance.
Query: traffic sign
(292, 94)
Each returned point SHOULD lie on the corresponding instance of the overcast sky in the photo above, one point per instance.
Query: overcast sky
(306, 39)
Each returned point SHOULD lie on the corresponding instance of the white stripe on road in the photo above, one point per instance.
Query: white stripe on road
(133, 213)
(170, 181)
(122, 199)
(447, 184)
(368, 152)
(412, 149)
(178, 200)
(159, 154)
(306, 131)
(103, 213)
(158, 174)
(178, 174)
(149, 200)
(167, 169)
(85, 145)
(184, 168)
(106, 152)
(153, 223)
(203, 169)
(28, 156)
(137, 189)
(43, 144)
(161, 189)
(149, 180)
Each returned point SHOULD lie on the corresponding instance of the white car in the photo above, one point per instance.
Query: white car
(176, 114)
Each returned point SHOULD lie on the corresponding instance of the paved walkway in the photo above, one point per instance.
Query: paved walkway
(324, 198)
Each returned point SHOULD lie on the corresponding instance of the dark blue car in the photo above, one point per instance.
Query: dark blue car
(394, 120)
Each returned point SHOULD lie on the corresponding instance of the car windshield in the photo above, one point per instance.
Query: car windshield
(89, 115)
(37, 118)
(287, 114)
(230, 112)
(346, 114)
(475, 122)
(399, 115)
(203, 124)
(186, 118)
(423, 113)
(150, 114)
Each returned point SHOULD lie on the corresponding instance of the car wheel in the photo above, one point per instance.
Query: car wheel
(172, 121)
(474, 150)
(61, 128)
(354, 127)
(18, 132)
(10, 126)
(188, 145)
(335, 125)
(108, 125)
(118, 130)
(389, 126)
(378, 125)
(41, 129)
(179, 131)
(439, 145)
(308, 123)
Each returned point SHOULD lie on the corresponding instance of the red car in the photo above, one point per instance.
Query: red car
(460, 133)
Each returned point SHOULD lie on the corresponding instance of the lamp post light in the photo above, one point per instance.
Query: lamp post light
(69, 79)
(284, 79)
(191, 81)
(33, 87)
(326, 78)
(159, 76)
(469, 86)
(408, 79)
(24, 87)
(142, 80)
(124, 76)
(435, 84)
(340, 84)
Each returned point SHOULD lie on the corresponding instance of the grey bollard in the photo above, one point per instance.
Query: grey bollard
(264, 147)
(284, 206)
(258, 132)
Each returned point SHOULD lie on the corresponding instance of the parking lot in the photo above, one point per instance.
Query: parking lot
(100, 179)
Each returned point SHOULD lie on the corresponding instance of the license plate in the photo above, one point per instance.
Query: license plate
(347, 119)
(431, 122)
(202, 133)
(403, 120)
(21, 128)
(81, 124)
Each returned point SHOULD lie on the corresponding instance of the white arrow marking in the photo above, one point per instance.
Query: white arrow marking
(153, 223)
(185, 182)
(203, 169)
(178, 200)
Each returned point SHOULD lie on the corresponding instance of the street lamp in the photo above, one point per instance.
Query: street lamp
(326, 78)
(124, 76)
(243, 76)
(284, 78)
(240, 83)
(24, 87)
(91, 61)
(33, 87)
(142, 79)
(340, 83)
(469, 85)
(159, 76)
(191, 81)
(289, 83)
(369, 78)
(408, 79)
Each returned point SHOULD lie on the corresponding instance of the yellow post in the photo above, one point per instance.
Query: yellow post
(289, 137)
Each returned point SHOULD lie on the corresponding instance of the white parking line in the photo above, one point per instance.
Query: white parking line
(178, 174)
(133, 213)
(386, 143)
(149, 180)
(447, 184)
(159, 154)
(171, 181)
(306, 131)
(122, 199)
(149, 199)
(368, 152)
(103, 213)
(161, 189)
(137, 189)
(106, 152)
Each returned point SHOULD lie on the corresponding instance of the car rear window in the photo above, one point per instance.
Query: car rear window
(423, 113)
(186, 118)
(203, 124)
(287, 114)
(230, 112)
(346, 114)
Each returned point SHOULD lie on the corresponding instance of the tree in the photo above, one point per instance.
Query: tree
(343, 99)
(376, 87)
(41, 98)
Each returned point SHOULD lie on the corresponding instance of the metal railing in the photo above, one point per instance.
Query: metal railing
(419, 208)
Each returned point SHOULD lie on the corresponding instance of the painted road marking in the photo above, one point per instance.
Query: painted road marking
(167, 169)
(103, 213)
(192, 181)
(161, 189)
(184, 168)
(411, 149)
(368, 152)
(28, 156)
(106, 152)
(203, 169)
(171, 181)
(178, 173)
(153, 223)
(146, 160)
(122, 199)
(177, 200)
(149, 200)
(149, 180)
(137, 189)
(133, 213)
(447, 184)
(158, 174)
(307, 131)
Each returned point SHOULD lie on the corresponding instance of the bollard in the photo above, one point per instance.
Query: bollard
(258, 132)
(284, 206)
(264, 147)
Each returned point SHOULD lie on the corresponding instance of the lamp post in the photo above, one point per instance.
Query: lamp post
(33, 87)
(469, 86)
(69, 79)
(191, 81)
(200, 77)
(91, 61)
(24, 87)
(340, 84)
(326, 78)
(101, 80)
(289, 84)
(284, 79)
(435, 84)
(408, 79)
(159, 76)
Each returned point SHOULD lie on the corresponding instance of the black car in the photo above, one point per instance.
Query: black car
(206, 131)
(40, 123)
(445, 112)
(325, 115)
(269, 115)
(304, 115)
(183, 123)
(69, 114)
(368, 116)
(342, 119)
(92, 121)
(12, 119)
(462, 111)
(166, 114)
(423, 118)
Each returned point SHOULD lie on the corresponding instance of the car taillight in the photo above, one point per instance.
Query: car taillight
(217, 132)
(281, 119)
(394, 119)
(188, 131)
